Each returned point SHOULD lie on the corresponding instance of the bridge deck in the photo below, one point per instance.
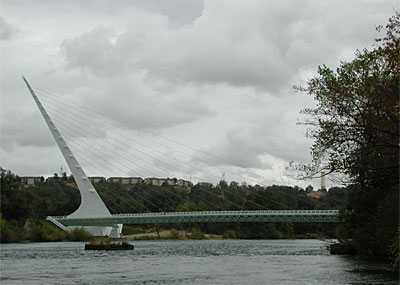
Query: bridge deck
(206, 216)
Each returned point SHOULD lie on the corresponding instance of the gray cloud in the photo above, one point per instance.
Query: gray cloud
(128, 99)
(179, 12)
(259, 44)
(213, 75)
(8, 31)
(265, 133)
(24, 130)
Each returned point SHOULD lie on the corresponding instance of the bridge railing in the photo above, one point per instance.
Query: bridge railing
(205, 216)
(231, 213)
(225, 213)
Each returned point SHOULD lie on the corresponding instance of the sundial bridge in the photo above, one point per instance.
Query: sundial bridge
(93, 215)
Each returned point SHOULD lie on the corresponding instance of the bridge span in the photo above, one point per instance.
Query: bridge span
(205, 217)
(93, 214)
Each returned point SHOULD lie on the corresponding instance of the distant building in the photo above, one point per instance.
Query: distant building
(317, 194)
(169, 181)
(31, 180)
(126, 180)
(184, 183)
(159, 181)
(205, 184)
(96, 179)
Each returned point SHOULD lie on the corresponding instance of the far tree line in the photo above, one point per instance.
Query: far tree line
(56, 197)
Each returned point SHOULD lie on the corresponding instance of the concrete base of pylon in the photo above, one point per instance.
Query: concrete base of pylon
(116, 231)
(112, 232)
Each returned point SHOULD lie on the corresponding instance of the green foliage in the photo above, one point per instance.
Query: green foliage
(9, 231)
(100, 240)
(147, 238)
(45, 199)
(355, 128)
(79, 234)
(355, 124)
(24, 206)
(127, 230)
(32, 230)
(230, 234)
(39, 230)
(259, 231)
(187, 207)
(395, 252)
(174, 234)
(196, 234)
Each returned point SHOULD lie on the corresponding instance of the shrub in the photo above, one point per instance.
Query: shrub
(39, 231)
(230, 234)
(196, 234)
(79, 234)
(9, 231)
(174, 234)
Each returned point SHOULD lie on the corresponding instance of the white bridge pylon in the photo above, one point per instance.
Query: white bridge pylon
(92, 206)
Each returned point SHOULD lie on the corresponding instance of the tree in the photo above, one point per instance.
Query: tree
(355, 124)
(309, 189)
(355, 127)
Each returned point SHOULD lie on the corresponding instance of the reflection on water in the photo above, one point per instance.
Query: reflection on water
(190, 262)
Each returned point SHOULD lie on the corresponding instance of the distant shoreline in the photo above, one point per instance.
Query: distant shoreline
(186, 235)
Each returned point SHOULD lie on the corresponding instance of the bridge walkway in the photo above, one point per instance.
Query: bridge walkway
(205, 217)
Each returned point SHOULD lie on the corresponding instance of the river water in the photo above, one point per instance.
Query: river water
(189, 262)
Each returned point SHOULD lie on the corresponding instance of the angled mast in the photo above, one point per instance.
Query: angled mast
(91, 203)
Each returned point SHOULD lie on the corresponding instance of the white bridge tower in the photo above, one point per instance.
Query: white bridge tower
(92, 206)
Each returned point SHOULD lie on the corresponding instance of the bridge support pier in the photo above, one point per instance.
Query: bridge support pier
(112, 232)
(116, 231)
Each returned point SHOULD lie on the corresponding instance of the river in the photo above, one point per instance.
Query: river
(189, 262)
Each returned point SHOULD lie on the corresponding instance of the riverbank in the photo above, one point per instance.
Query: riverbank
(350, 248)
(173, 234)
(36, 230)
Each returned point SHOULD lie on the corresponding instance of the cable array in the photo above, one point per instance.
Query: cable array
(148, 136)
(105, 145)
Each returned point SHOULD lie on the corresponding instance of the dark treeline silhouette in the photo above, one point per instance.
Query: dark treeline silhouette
(355, 128)
(60, 196)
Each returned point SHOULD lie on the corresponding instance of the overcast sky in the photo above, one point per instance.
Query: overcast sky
(215, 76)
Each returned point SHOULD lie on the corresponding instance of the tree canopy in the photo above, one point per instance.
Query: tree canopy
(23, 207)
(355, 127)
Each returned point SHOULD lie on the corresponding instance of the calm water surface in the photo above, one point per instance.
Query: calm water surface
(189, 262)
